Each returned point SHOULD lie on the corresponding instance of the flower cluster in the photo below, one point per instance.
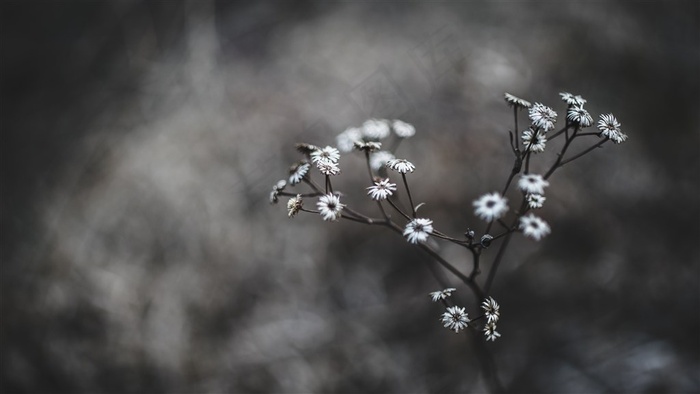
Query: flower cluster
(394, 206)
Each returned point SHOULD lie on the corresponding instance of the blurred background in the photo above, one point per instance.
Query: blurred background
(140, 141)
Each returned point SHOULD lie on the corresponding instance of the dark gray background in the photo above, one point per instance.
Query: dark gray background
(141, 139)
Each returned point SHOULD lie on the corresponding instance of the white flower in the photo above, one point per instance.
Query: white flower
(330, 207)
(535, 201)
(400, 165)
(535, 141)
(346, 140)
(610, 127)
(294, 205)
(491, 309)
(379, 159)
(328, 167)
(455, 318)
(516, 101)
(542, 116)
(381, 189)
(490, 332)
(376, 129)
(572, 100)
(490, 206)
(580, 116)
(328, 153)
(417, 230)
(442, 294)
(534, 227)
(369, 146)
(403, 129)
(532, 183)
(276, 189)
(297, 172)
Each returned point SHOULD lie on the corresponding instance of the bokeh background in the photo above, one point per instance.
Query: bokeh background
(140, 141)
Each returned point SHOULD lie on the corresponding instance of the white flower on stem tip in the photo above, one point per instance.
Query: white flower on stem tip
(535, 201)
(572, 100)
(328, 167)
(442, 294)
(379, 159)
(400, 165)
(535, 141)
(328, 153)
(381, 190)
(532, 183)
(534, 227)
(516, 101)
(329, 207)
(346, 140)
(369, 146)
(542, 116)
(376, 129)
(491, 310)
(417, 230)
(294, 205)
(490, 332)
(276, 189)
(579, 116)
(403, 129)
(455, 318)
(297, 172)
(610, 127)
(490, 206)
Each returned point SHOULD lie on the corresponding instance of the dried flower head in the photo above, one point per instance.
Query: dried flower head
(305, 148)
(297, 172)
(403, 129)
(490, 206)
(276, 189)
(514, 101)
(328, 153)
(368, 146)
(490, 332)
(400, 165)
(535, 201)
(534, 141)
(442, 294)
(328, 167)
(455, 318)
(572, 100)
(417, 230)
(542, 117)
(294, 205)
(532, 183)
(329, 207)
(610, 127)
(375, 129)
(534, 227)
(579, 116)
(491, 310)
(346, 140)
(381, 190)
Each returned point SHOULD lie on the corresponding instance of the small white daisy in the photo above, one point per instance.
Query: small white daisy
(490, 332)
(376, 129)
(532, 183)
(417, 230)
(369, 146)
(328, 153)
(346, 140)
(534, 227)
(455, 318)
(403, 129)
(572, 100)
(490, 206)
(442, 294)
(580, 116)
(516, 101)
(379, 159)
(328, 167)
(329, 207)
(491, 310)
(535, 140)
(297, 172)
(294, 205)
(610, 127)
(400, 165)
(535, 201)
(306, 149)
(381, 189)
(542, 116)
